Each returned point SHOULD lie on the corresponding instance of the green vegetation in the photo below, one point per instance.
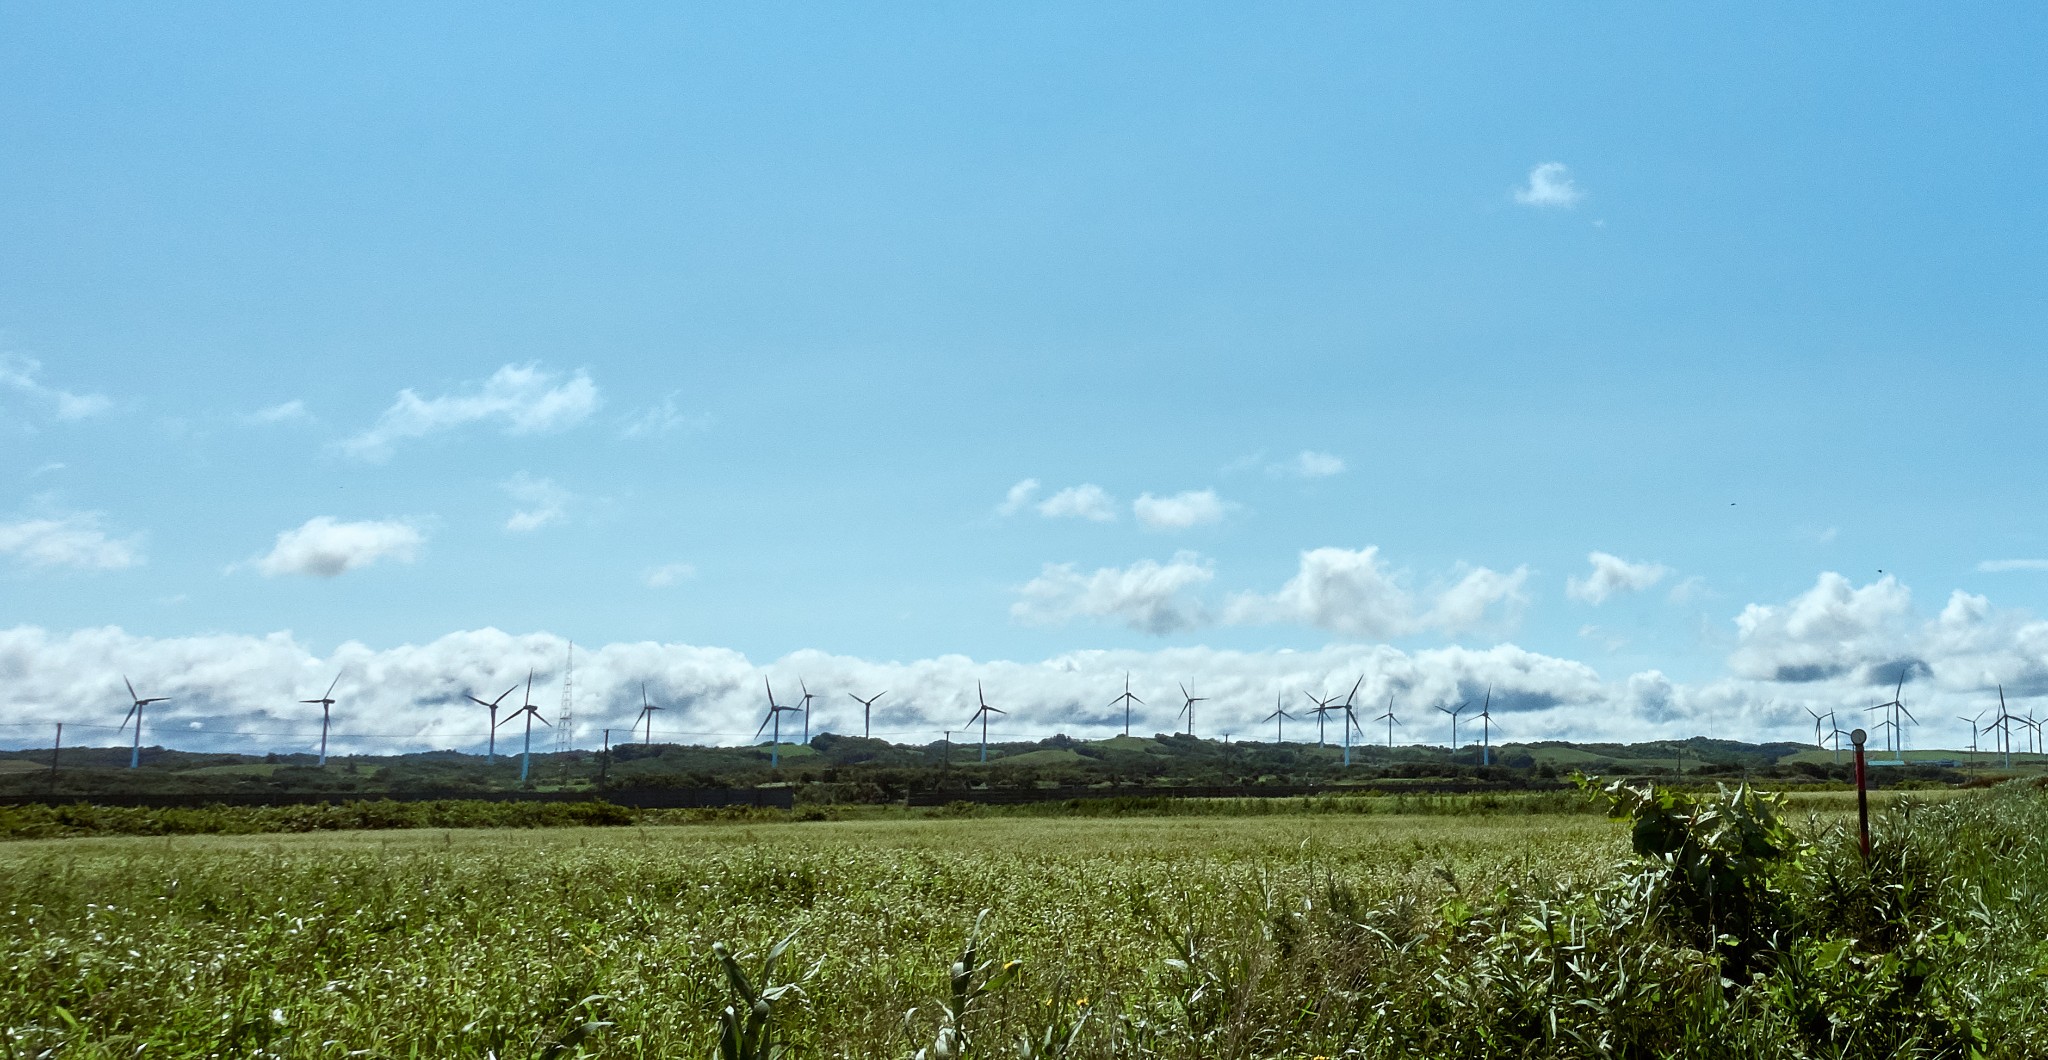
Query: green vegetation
(836, 770)
(1736, 928)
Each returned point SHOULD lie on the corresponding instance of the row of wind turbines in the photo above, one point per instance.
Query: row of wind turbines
(1893, 717)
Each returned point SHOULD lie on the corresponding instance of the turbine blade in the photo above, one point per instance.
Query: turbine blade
(330, 688)
(131, 687)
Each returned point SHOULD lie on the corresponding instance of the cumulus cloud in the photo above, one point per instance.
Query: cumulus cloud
(1086, 501)
(542, 502)
(668, 574)
(324, 547)
(1612, 575)
(1550, 185)
(521, 399)
(76, 540)
(1180, 511)
(1349, 591)
(2003, 566)
(1019, 496)
(292, 411)
(19, 374)
(1307, 464)
(1147, 596)
(1832, 629)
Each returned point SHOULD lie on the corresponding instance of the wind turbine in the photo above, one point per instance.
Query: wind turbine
(806, 704)
(1188, 708)
(532, 715)
(1391, 721)
(1818, 740)
(2003, 723)
(1322, 711)
(135, 754)
(1486, 729)
(1898, 707)
(775, 712)
(491, 749)
(1975, 731)
(1351, 717)
(647, 709)
(326, 702)
(983, 714)
(1127, 699)
(867, 708)
(1279, 719)
(1454, 712)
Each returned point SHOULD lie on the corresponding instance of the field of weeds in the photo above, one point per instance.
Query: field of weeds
(1751, 934)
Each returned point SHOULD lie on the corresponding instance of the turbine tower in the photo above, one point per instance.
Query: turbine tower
(647, 709)
(1127, 699)
(326, 702)
(1391, 721)
(1322, 712)
(135, 711)
(1188, 708)
(532, 715)
(491, 749)
(806, 704)
(1351, 718)
(775, 712)
(1486, 729)
(867, 710)
(1454, 712)
(1279, 719)
(983, 714)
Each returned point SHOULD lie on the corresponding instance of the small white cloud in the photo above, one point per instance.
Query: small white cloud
(19, 373)
(543, 502)
(2002, 566)
(1612, 575)
(1348, 591)
(1180, 511)
(46, 469)
(75, 540)
(1019, 496)
(1086, 501)
(664, 418)
(285, 412)
(325, 547)
(1146, 596)
(523, 399)
(1469, 603)
(1550, 186)
(1307, 464)
(668, 574)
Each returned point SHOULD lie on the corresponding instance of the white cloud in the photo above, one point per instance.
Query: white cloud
(1481, 597)
(1307, 464)
(1348, 591)
(1338, 589)
(668, 574)
(72, 540)
(1550, 185)
(19, 374)
(325, 547)
(542, 502)
(522, 399)
(1019, 496)
(284, 412)
(2002, 566)
(1086, 501)
(1180, 511)
(1612, 575)
(1831, 630)
(664, 418)
(1146, 596)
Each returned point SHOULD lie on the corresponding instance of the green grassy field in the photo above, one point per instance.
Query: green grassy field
(1270, 936)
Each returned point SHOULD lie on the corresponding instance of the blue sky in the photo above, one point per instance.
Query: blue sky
(430, 337)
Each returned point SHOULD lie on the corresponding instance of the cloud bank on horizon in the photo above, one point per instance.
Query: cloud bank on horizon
(1835, 647)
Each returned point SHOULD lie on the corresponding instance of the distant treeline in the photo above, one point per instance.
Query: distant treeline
(36, 821)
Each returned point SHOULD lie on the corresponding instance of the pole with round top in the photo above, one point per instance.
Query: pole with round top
(1862, 795)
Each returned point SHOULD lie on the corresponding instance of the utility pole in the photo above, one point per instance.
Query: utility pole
(604, 760)
(54, 748)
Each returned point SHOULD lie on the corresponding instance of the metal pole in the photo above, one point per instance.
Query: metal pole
(605, 759)
(1862, 795)
(54, 748)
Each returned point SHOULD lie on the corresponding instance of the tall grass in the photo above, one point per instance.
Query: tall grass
(1381, 935)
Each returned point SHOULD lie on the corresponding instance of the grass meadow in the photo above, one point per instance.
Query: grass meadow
(1276, 935)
